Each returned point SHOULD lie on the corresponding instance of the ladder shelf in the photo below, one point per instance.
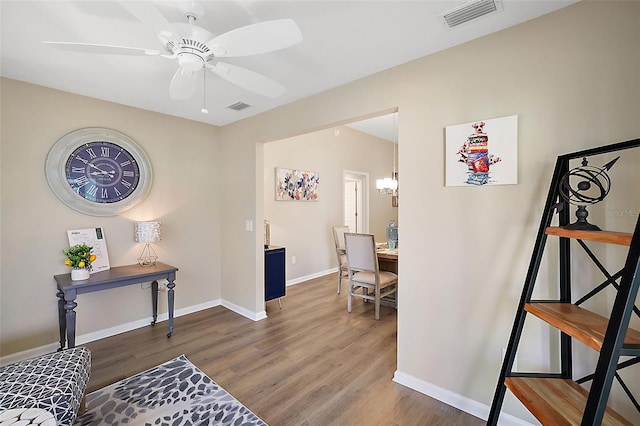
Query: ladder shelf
(558, 398)
(579, 323)
(556, 401)
(610, 237)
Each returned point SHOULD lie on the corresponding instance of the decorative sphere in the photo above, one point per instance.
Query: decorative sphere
(585, 185)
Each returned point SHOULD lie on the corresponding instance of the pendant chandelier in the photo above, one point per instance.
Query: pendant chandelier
(389, 185)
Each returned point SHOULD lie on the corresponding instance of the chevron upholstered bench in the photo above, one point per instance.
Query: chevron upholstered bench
(54, 382)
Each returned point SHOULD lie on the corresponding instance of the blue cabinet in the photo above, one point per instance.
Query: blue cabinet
(274, 272)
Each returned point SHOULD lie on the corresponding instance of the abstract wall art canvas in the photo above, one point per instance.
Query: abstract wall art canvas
(482, 152)
(296, 185)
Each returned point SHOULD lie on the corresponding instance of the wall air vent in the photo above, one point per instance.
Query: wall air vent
(469, 11)
(238, 106)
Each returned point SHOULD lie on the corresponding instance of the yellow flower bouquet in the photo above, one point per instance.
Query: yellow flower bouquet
(79, 256)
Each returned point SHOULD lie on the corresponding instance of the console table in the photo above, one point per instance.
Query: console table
(119, 276)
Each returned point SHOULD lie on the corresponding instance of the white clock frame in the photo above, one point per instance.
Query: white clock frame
(55, 172)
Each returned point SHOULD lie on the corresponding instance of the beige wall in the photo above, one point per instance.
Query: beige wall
(185, 196)
(573, 77)
(304, 228)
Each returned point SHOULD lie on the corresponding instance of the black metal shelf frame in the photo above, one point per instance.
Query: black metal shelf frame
(627, 290)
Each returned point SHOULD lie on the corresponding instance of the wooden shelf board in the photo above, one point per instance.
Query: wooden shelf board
(579, 323)
(610, 237)
(556, 402)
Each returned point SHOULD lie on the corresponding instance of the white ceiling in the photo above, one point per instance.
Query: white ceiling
(383, 127)
(342, 41)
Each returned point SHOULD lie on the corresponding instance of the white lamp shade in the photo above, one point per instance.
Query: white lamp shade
(387, 183)
(147, 232)
(393, 183)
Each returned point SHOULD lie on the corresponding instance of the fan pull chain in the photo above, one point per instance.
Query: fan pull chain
(204, 109)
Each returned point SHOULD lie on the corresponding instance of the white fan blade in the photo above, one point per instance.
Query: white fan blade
(147, 14)
(257, 38)
(101, 48)
(183, 85)
(249, 80)
(151, 17)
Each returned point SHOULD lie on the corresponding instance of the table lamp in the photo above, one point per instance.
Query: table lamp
(147, 232)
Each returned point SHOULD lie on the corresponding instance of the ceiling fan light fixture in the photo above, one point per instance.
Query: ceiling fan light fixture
(195, 48)
(190, 61)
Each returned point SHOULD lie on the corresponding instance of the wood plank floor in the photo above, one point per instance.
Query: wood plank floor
(309, 363)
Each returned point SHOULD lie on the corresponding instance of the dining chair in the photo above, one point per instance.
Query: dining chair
(366, 281)
(341, 254)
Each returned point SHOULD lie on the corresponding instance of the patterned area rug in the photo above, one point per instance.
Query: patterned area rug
(174, 393)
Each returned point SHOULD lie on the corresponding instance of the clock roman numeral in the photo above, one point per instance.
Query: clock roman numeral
(92, 154)
(127, 173)
(125, 163)
(77, 169)
(80, 182)
(125, 183)
(104, 193)
(93, 190)
(118, 193)
(104, 151)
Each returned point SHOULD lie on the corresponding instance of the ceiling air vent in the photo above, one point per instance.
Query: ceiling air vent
(238, 106)
(469, 11)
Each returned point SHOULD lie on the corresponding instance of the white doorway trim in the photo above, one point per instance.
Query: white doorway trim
(355, 195)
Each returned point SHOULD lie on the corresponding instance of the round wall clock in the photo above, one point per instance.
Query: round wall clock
(98, 171)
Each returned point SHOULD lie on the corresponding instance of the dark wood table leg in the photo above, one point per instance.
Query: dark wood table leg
(62, 321)
(154, 301)
(70, 317)
(68, 290)
(170, 286)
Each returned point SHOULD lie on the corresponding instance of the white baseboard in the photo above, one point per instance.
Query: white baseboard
(112, 331)
(254, 316)
(453, 399)
(122, 328)
(460, 402)
(29, 353)
(312, 276)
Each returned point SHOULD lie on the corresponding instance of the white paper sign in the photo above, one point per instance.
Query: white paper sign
(93, 237)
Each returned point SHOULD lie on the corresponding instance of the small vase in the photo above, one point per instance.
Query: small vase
(392, 235)
(80, 274)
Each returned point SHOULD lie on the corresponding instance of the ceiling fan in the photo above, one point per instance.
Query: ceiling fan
(195, 48)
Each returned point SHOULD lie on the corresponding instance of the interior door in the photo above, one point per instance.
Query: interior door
(355, 215)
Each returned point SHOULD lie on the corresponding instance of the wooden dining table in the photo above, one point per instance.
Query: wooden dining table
(387, 259)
